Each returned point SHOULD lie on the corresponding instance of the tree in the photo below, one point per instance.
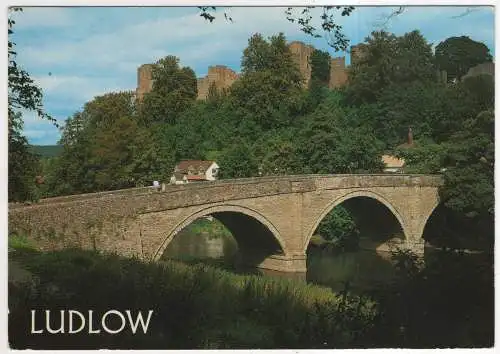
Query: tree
(320, 78)
(320, 67)
(22, 164)
(238, 162)
(387, 60)
(469, 175)
(106, 148)
(434, 111)
(102, 112)
(269, 92)
(481, 91)
(456, 55)
(338, 225)
(277, 152)
(123, 157)
(174, 90)
(23, 94)
(327, 144)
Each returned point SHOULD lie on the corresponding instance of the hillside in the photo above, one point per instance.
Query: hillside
(47, 150)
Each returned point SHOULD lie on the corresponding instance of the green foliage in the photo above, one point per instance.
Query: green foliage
(320, 77)
(20, 242)
(328, 145)
(277, 152)
(174, 90)
(320, 67)
(456, 55)
(268, 94)
(481, 91)
(340, 227)
(451, 297)
(106, 148)
(23, 94)
(388, 60)
(469, 176)
(22, 164)
(280, 312)
(213, 228)
(427, 158)
(46, 151)
(238, 161)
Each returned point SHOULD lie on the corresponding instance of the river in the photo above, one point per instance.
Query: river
(363, 269)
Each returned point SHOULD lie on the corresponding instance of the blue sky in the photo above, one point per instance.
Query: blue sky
(75, 54)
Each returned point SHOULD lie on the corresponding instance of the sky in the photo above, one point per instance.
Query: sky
(77, 53)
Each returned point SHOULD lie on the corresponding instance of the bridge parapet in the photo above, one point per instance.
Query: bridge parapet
(135, 221)
(382, 180)
(221, 190)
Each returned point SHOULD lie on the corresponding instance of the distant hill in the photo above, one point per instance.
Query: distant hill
(47, 150)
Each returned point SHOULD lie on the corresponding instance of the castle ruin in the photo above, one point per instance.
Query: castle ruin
(222, 77)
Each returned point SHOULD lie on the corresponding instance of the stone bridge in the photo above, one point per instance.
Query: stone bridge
(272, 218)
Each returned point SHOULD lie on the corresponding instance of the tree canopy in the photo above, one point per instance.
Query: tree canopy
(456, 55)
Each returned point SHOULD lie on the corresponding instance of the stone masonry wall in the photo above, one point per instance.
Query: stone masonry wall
(338, 73)
(301, 53)
(144, 80)
(137, 223)
(220, 76)
(223, 77)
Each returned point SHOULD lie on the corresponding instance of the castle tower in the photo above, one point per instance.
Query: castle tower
(144, 80)
(357, 53)
(301, 54)
(338, 73)
(221, 76)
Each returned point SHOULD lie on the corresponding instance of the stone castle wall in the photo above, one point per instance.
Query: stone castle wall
(144, 80)
(301, 53)
(220, 76)
(223, 77)
(338, 72)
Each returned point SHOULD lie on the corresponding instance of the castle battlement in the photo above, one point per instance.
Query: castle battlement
(223, 77)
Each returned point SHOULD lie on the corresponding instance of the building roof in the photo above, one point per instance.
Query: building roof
(392, 161)
(195, 178)
(178, 176)
(197, 165)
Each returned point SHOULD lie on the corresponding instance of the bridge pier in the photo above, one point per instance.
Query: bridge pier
(415, 246)
(283, 263)
(276, 262)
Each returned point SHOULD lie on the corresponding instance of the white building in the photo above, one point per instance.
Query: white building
(189, 171)
(393, 164)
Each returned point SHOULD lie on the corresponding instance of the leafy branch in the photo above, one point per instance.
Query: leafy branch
(23, 92)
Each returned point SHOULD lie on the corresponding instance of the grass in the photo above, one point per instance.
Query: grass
(448, 303)
(195, 307)
(20, 242)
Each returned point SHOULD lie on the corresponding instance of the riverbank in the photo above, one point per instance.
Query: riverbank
(195, 307)
(448, 302)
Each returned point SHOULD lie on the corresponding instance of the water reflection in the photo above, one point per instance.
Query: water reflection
(363, 269)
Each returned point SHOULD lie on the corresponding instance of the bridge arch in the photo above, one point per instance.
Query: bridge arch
(425, 219)
(359, 193)
(221, 209)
